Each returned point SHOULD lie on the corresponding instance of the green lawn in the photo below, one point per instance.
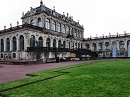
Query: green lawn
(94, 79)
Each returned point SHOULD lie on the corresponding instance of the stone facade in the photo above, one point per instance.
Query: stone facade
(42, 28)
(110, 46)
(45, 34)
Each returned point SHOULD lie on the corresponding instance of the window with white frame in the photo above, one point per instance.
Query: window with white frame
(39, 22)
(67, 30)
(59, 27)
(53, 25)
(63, 29)
(47, 23)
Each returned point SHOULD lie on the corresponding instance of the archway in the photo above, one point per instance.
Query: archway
(114, 49)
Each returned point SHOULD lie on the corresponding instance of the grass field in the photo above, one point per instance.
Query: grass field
(94, 79)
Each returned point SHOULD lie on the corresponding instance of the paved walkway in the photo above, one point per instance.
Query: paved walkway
(16, 72)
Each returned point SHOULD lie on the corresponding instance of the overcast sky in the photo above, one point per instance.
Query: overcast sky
(97, 16)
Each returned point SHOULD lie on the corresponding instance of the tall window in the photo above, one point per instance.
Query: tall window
(63, 29)
(40, 42)
(121, 44)
(14, 44)
(75, 34)
(78, 33)
(2, 45)
(67, 30)
(78, 45)
(59, 27)
(107, 44)
(87, 46)
(32, 22)
(64, 44)
(32, 41)
(48, 42)
(39, 22)
(100, 45)
(59, 44)
(21, 43)
(8, 44)
(54, 43)
(94, 46)
(53, 25)
(47, 23)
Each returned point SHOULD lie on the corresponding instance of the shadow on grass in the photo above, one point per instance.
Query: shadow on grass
(61, 73)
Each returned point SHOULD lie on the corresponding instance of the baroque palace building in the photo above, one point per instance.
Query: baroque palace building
(44, 33)
(110, 46)
(47, 34)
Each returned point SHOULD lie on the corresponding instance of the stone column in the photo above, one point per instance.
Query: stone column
(50, 24)
(5, 48)
(125, 45)
(44, 42)
(42, 19)
(11, 44)
(51, 40)
(117, 44)
(26, 41)
(56, 26)
(18, 44)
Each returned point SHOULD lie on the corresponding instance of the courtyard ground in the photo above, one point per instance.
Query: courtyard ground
(10, 72)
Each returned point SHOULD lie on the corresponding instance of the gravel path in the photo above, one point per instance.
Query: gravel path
(15, 72)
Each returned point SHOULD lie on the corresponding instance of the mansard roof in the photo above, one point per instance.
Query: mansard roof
(50, 12)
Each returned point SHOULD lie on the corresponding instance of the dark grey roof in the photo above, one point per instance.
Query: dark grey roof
(44, 9)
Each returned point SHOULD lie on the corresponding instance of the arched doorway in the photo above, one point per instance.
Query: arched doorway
(114, 49)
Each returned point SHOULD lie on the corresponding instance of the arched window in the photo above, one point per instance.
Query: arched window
(40, 42)
(107, 44)
(63, 29)
(14, 55)
(67, 30)
(78, 45)
(47, 23)
(39, 22)
(14, 44)
(59, 27)
(100, 45)
(87, 46)
(79, 33)
(48, 42)
(8, 44)
(64, 44)
(121, 44)
(32, 22)
(53, 25)
(75, 34)
(2, 55)
(59, 44)
(54, 43)
(2, 45)
(94, 46)
(32, 41)
(21, 43)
